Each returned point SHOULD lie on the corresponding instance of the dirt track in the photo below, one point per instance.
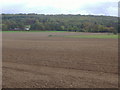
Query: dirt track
(36, 60)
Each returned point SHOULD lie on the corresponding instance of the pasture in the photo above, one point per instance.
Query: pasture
(95, 36)
(60, 60)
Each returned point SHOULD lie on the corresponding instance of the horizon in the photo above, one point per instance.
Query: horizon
(54, 14)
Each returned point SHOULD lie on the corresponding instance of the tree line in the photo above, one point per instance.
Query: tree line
(61, 22)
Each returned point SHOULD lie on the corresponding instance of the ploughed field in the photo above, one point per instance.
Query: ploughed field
(53, 60)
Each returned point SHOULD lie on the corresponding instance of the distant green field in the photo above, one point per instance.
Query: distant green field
(34, 31)
(107, 36)
(95, 36)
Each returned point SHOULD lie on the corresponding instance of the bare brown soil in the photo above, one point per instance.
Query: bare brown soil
(35, 60)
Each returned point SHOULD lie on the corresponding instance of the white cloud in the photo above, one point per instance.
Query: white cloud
(112, 11)
(57, 6)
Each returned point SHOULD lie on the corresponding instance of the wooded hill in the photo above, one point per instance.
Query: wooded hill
(80, 23)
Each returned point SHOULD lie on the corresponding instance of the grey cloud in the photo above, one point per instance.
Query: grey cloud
(13, 8)
(101, 8)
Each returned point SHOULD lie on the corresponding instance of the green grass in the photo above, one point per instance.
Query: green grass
(34, 31)
(95, 36)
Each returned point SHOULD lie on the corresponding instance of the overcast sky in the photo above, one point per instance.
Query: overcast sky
(94, 7)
